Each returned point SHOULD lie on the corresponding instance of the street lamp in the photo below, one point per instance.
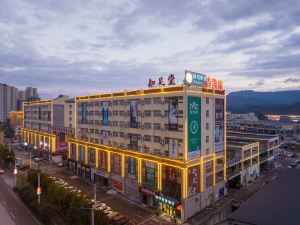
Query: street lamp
(15, 173)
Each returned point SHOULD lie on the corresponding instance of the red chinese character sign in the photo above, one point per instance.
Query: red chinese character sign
(160, 83)
(215, 84)
(193, 180)
(171, 174)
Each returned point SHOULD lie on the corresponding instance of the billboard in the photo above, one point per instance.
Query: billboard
(117, 164)
(102, 159)
(150, 174)
(133, 113)
(194, 127)
(173, 113)
(171, 174)
(105, 112)
(134, 141)
(193, 180)
(131, 167)
(173, 148)
(83, 112)
(92, 153)
(73, 151)
(81, 153)
(219, 125)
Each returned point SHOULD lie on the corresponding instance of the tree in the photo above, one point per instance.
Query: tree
(22, 181)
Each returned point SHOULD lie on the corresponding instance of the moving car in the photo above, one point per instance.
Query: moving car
(1, 171)
(37, 159)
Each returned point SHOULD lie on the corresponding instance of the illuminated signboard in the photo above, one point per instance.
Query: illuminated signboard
(198, 79)
(192, 78)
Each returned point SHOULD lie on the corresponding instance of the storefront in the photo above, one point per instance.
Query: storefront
(84, 172)
(101, 178)
(168, 206)
(118, 186)
(148, 197)
(72, 166)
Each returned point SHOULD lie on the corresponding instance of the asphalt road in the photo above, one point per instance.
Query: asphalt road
(12, 210)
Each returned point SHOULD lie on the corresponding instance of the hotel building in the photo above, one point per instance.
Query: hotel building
(163, 147)
(48, 125)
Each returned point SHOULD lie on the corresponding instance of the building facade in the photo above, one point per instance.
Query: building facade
(242, 162)
(16, 122)
(8, 101)
(48, 125)
(163, 147)
(268, 146)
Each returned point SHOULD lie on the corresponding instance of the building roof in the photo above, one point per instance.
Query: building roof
(240, 134)
(276, 204)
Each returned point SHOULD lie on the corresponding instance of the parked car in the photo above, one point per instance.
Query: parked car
(1, 171)
(60, 164)
(293, 164)
(37, 159)
(290, 154)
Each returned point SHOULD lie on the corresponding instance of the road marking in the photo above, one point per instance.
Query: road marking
(4, 203)
(12, 215)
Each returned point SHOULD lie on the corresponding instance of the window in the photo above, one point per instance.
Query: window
(92, 131)
(207, 126)
(115, 102)
(147, 125)
(122, 135)
(121, 113)
(207, 113)
(70, 106)
(147, 113)
(207, 139)
(147, 138)
(147, 101)
(207, 151)
(157, 113)
(115, 113)
(156, 126)
(115, 134)
(115, 123)
(207, 100)
(209, 181)
(70, 112)
(156, 139)
(156, 100)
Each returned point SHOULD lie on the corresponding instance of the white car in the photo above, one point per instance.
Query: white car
(290, 154)
(1, 171)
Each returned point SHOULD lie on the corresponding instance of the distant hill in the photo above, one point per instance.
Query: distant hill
(279, 102)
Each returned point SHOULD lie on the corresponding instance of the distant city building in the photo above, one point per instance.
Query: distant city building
(284, 118)
(48, 125)
(31, 94)
(286, 131)
(8, 101)
(241, 116)
(16, 122)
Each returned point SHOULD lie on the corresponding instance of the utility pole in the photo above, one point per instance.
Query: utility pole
(94, 205)
(39, 189)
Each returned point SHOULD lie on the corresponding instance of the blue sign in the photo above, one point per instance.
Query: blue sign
(192, 78)
(276, 157)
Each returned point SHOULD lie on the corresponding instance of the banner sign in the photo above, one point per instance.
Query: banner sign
(81, 153)
(105, 112)
(73, 151)
(83, 113)
(194, 127)
(91, 155)
(173, 148)
(219, 125)
(173, 113)
(131, 167)
(133, 113)
(193, 180)
(171, 174)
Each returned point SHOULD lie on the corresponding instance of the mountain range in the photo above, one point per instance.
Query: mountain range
(278, 102)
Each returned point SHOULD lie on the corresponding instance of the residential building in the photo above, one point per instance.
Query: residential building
(16, 122)
(242, 162)
(31, 94)
(163, 147)
(8, 101)
(268, 146)
(48, 125)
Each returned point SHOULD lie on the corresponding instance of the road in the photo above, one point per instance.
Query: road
(12, 210)
(136, 213)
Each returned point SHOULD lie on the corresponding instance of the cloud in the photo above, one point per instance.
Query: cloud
(291, 80)
(99, 46)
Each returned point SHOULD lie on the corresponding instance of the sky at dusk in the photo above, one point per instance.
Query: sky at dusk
(80, 47)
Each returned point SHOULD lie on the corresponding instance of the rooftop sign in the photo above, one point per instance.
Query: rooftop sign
(198, 79)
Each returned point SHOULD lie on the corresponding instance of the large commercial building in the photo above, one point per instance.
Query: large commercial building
(163, 147)
(8, 101)
(48, 125)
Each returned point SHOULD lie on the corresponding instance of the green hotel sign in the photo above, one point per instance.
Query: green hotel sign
(194, 127)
